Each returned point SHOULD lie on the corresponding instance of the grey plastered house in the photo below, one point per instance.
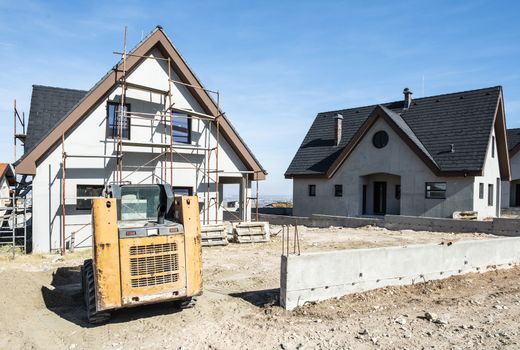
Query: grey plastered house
(428, 156)
(511, 190)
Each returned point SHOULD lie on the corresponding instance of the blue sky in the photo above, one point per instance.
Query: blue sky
(276, 63)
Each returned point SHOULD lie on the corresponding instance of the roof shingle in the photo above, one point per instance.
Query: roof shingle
(433, 123)
(48, 106)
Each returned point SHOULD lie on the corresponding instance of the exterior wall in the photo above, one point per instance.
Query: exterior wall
(89, 138)
(509, 188)
(491, 177)
(397, 159)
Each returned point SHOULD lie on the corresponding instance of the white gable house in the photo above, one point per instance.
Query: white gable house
(76, 132)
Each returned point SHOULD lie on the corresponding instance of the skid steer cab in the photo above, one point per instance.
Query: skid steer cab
(146, 249)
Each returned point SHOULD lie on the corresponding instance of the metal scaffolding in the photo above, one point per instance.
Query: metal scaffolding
(169, 150)
(15, 209)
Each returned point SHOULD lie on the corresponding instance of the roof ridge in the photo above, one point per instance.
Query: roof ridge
(57, 87)
(415, 99)
(459, 92)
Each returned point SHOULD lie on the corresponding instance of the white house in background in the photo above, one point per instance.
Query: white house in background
(429, 156)
(511, 190)
(88, 120)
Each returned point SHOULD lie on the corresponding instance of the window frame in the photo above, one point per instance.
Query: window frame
(493, 146)
(189, 125)
(490, 195)
(398, 192)
(481, 190)
(110, 134)
(80, 203)
(338, 190)
(428, 192)
(380, 139)
(311, 190)
(190, 190)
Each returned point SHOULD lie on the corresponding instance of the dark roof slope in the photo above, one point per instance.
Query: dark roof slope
(48, 106)
(513, 138)
(463, 119)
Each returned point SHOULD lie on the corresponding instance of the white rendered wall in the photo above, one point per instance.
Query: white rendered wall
(491, 176)
(397, 159)
(89, 138)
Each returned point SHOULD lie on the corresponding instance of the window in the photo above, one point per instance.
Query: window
(490, 195)
(436, 190)
(493, 147)
(140, 202)
(338, 190)
(84, 194)
(481, 190)
(113, 120)
(397, 192)
(312, 190)
(380, 139)
(181, 128)
(182, 191)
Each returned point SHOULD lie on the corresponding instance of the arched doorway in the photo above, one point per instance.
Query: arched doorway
(381, 194)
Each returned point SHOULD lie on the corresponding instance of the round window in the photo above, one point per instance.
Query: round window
(380, 139)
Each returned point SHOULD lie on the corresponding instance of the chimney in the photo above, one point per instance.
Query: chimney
(407, 98)
(338, 121)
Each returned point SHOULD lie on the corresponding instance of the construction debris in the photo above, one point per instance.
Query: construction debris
(465, 215)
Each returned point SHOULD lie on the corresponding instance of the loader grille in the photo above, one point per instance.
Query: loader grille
(153, 248)
(154, 264)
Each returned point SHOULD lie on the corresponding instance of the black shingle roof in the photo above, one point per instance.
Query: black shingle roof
(513, 138)
(48, 106)
(463, 119)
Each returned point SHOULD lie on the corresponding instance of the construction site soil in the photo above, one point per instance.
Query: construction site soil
(41, 305)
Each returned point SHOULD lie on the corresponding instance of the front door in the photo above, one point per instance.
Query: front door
(517, 197)
(379, 197)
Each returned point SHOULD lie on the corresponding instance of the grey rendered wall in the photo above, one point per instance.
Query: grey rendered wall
(397, 159)
(508, 189)
(322, 275)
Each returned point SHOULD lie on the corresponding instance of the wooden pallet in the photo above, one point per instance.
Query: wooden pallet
(213, 235)
(251, 232)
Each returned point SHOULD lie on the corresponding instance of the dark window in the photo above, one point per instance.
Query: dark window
(84, 194)
(182, 191)
(481, 190)
(398, 192)
(338, 190)
(436, 190)
(380, 139)
(490, 194)
(113, 120)
(181, 128)
(312, 190)
(493, 147)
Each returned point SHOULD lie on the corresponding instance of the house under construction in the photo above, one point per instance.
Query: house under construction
(148, 120)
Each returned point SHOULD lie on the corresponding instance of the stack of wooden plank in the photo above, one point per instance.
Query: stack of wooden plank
(250, 232)
(214, 235)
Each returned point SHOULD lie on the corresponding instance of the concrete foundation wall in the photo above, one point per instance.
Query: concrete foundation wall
(497, 226)
(318, 276)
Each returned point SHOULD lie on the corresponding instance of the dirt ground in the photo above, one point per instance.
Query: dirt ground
(41, 306)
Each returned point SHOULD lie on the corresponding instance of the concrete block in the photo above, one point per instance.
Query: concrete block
(321, 275)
